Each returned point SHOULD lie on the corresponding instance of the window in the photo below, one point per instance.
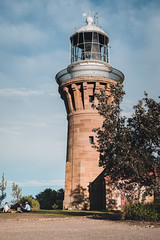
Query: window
(91, 139)
(88, 36)
(91, 98)
(95, 37)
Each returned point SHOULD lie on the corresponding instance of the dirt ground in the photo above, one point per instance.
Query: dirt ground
(44, 227)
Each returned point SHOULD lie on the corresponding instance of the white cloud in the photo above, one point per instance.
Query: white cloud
(10, 130)
(19, 92)
(135, 50)
(24, 34)
(31, 71)
(19, 8)
(39, 183)
(64, 13)
(34, 46)
(25, 125)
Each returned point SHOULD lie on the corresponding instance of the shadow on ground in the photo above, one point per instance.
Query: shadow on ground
(112, 215)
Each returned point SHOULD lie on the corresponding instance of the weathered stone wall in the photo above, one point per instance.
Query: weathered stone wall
(82, 159)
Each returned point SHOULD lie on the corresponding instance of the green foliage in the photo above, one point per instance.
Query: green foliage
(49, 198)
(112, 136)
(141, 211)
(32, 202)
(129, 148)
(60, 194)
(16, 193)
(144, 128)
(3, 185)
(59, 203)
(55, 206)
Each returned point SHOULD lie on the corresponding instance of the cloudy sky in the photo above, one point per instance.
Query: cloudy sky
(34, 46)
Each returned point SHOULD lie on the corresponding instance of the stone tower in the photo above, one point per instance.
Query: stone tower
(89, 71)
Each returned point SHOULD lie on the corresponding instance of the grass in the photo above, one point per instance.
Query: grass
(68, 212)
(112, 215)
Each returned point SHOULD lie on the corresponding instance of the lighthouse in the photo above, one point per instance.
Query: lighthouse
(89, 71)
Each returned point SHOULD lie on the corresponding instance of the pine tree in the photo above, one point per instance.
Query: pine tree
(3, 185)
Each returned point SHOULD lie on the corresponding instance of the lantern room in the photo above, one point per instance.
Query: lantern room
(90, 42)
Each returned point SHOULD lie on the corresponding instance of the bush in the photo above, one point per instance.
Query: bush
(60, 204)
(32, 202)
(49, 198)
(55, 206)
(141, 211)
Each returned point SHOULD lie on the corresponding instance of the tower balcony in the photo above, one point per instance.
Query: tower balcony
(96, 69)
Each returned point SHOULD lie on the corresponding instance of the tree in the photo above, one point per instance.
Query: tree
(144, 127)
(60, 198)
(3, 185)
(60, 194)
(47, 198)
(16, 193)
(113, 137)
(32, 202)
(129, 148)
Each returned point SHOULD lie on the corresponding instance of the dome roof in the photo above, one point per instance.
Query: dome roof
(90, 27)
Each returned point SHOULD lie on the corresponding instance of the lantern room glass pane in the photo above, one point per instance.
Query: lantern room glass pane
(101, 39)
(80, 40)
(95, 47)
(105, 41)
(88, 36)
(95, 37)
(75, 40)
(89, 45)
(81, 46)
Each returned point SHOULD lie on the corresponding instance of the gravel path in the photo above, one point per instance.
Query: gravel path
(40, 227)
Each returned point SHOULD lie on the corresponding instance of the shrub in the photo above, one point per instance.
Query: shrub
(32, 202)
(55, 206)
(60, 204)
(47, 198)
(50, 199)
(141, 211)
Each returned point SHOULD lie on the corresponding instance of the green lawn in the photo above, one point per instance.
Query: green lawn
(77, 213)
(111, 215)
